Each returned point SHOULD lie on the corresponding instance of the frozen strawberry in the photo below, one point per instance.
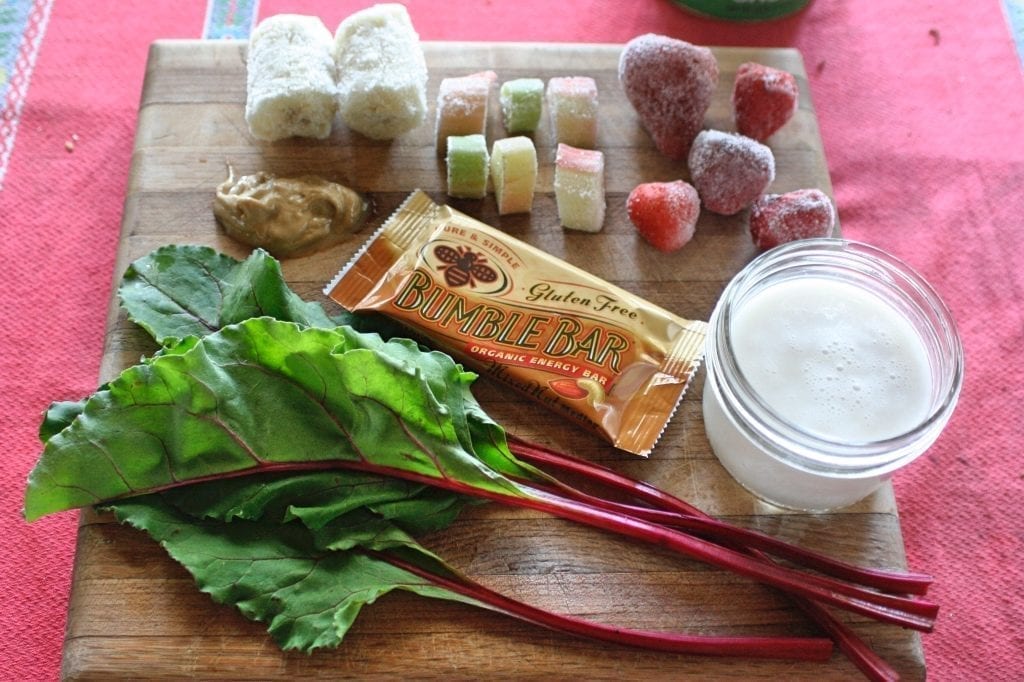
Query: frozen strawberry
(779, 218)
(664, 213)
(669, 82)
(763, 100)
(729, 171)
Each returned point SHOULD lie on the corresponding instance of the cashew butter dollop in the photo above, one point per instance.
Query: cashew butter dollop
(288, 217)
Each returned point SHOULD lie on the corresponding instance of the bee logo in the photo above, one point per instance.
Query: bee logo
(463, 266)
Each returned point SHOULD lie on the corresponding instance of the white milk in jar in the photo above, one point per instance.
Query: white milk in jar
(830, 365)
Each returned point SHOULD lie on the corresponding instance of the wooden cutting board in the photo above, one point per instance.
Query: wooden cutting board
(134, 612)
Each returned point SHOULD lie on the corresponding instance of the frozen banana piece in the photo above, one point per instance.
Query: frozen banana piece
(382, 74)
(290, 79)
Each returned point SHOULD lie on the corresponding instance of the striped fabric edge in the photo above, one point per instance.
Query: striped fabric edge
(1014, 12)
(230, 19)
(17, 73)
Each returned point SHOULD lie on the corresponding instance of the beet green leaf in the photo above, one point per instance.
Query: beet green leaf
(263, 395)
(320, 498)
(180, 291)
(276, 573)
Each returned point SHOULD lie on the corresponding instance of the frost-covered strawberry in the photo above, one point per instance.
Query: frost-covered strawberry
(664, 213)
(729, 171)
(670, 84)
(763, 100)
(779, 218)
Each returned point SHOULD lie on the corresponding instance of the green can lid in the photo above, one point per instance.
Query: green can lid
(744, 10)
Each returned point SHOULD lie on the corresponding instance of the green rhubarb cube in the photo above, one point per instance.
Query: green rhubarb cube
(521, 103)
(467, 162)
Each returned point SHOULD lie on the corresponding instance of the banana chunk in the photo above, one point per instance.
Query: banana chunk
(291, 79)
(382, 74)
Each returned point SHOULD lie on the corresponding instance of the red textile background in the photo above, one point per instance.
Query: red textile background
(920, 105)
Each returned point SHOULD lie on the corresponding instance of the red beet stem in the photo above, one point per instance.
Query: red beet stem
(918, 615)
(790, 648)
(737, 537)
(538, 454)
(675, 512)
(873, 666)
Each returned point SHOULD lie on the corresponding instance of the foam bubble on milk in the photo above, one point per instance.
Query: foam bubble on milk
(833, 359)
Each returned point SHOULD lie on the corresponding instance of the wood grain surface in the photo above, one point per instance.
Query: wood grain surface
(135, 613)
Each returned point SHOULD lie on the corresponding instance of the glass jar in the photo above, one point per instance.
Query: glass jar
(792, 366)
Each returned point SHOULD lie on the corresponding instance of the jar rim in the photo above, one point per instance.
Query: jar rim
(779, 436)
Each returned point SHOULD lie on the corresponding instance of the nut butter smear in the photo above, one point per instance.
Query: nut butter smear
(288, 217)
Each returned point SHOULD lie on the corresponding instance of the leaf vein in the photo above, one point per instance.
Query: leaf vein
(212, 326)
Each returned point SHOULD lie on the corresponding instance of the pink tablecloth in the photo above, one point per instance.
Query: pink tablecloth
(920, 105)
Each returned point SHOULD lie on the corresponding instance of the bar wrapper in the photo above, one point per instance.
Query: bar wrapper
(592, 351)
